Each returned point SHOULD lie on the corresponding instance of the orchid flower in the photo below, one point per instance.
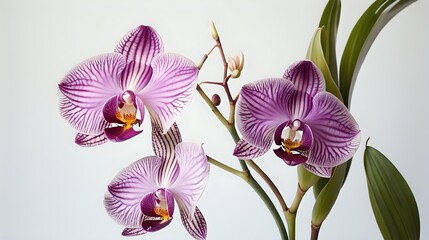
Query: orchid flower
(310, 126)
(141, 197)
(104, 97)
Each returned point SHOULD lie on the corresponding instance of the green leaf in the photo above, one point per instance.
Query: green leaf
(330, 20)
(361, 38)
(392, 200)
(327, 197)
(315, 53)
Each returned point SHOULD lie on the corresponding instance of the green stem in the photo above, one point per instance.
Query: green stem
(267, 200)
(290, 214)
(214, 109)
(245, 174)
(270, 183)
(227, 168)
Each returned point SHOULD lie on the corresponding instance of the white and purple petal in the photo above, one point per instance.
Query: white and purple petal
(196, 226)
(306, 77)
(325, 172)
(86, 88)
(139, 47)
(164, 146)
(127, 189)
(192, 178)
(299, 105)
(245, 150)
(261, 107)
(133, 232)
(170, 90)
(86, 140)
(335, 131)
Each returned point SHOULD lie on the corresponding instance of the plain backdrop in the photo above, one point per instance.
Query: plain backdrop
(50, 188)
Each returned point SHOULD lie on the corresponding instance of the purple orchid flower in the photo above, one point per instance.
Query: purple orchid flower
(104, 97)
(141, 197)
(310, 126)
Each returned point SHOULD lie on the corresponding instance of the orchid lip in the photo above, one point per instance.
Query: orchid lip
(295, 140)
(157, 208)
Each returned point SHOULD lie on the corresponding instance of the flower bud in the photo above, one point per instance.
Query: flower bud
(216, 99)
(213, 31)
(235, 65)
(306, 179)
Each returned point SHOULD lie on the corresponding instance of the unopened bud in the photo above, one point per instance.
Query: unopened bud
(213, 31)
(236, 73)
(216, 99)
(236, 64)
(306, 179)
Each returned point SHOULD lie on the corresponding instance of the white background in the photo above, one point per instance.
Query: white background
(51, 188)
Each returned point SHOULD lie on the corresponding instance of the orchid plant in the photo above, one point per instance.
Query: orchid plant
(305, 113)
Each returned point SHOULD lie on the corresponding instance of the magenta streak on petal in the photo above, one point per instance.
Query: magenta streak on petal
(86, 140)
(193, 176)
(299, 105)
(261, 108)
(306, 139)
(86, 88)
(133, 231)
(85, 121)
(196, 226)
(170, 89)
(245, 150)
(306, 77)
(325, 172)
(139, 47)
(164, 146)
(127, 189)
(336, 133)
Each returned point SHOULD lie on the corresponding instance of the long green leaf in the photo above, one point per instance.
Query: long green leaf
(392, 200)
(315, 53)
(361, 39)
(330, 20)
(327, 197)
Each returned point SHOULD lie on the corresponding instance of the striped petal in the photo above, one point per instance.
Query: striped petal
(306, 77)
(86, 88)
(245, 150)
(261, 108)
(325, 172)
(336, 133)
(170, 89)
(196, 226)
(164, 146)
(133, 231)
(85, 140)
(139, 47)
(299, 105)
(193, 176)
(125, 192)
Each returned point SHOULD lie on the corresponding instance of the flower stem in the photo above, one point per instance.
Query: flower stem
(290, 214)
(267, 200)
(245, 174)
(314, 232)
(227, 168)
(270, 183)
